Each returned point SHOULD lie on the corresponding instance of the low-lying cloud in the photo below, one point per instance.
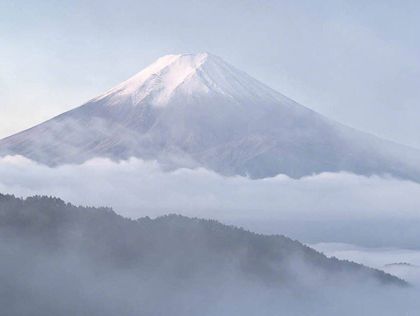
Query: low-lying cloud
(136, 188)
(404, 263)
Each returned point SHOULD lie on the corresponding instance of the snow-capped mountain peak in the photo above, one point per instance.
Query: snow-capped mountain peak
(157, 82)
(187, 75)
(196, 110)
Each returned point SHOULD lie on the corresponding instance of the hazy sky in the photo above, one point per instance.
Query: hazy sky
(355, 61)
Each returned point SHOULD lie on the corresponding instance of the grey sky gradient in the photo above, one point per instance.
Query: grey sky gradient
(354, 61)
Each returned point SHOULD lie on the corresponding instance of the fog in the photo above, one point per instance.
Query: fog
(137, 188)
(53, 263)
(68, 284)
(404, 263)
(340, 207)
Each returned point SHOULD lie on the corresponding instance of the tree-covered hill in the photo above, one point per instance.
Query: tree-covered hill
(59, 259)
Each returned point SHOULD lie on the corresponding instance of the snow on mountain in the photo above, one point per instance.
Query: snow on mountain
(189, 74)
(196, 110)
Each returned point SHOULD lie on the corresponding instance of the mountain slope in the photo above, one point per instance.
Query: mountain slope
(187, 243)
(58, 259)
(198, 111)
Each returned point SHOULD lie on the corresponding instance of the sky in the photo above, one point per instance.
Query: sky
(354, 61)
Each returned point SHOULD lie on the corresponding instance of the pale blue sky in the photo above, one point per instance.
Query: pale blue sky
(355, 61)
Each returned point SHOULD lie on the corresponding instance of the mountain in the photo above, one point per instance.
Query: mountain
(59, 259)
(196, 110)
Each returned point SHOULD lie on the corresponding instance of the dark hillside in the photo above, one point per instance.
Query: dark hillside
(81, 256)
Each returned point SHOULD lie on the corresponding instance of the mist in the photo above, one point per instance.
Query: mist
(350, 205)
(404, 263)
(61, 260)
(136, 188)
(67, 285)
(71, 284)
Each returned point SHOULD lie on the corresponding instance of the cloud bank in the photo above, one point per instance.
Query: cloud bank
(136, 188)
(404, 263)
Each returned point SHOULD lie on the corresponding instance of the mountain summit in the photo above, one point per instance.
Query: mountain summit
(188, 75)
(196, 110)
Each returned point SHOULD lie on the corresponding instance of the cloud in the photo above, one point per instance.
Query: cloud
(136, 188)
(404, 263)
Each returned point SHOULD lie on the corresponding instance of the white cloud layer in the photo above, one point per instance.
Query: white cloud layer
(404, 263)
(138, 188)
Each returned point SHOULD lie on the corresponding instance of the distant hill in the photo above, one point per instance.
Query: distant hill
(59, 259)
